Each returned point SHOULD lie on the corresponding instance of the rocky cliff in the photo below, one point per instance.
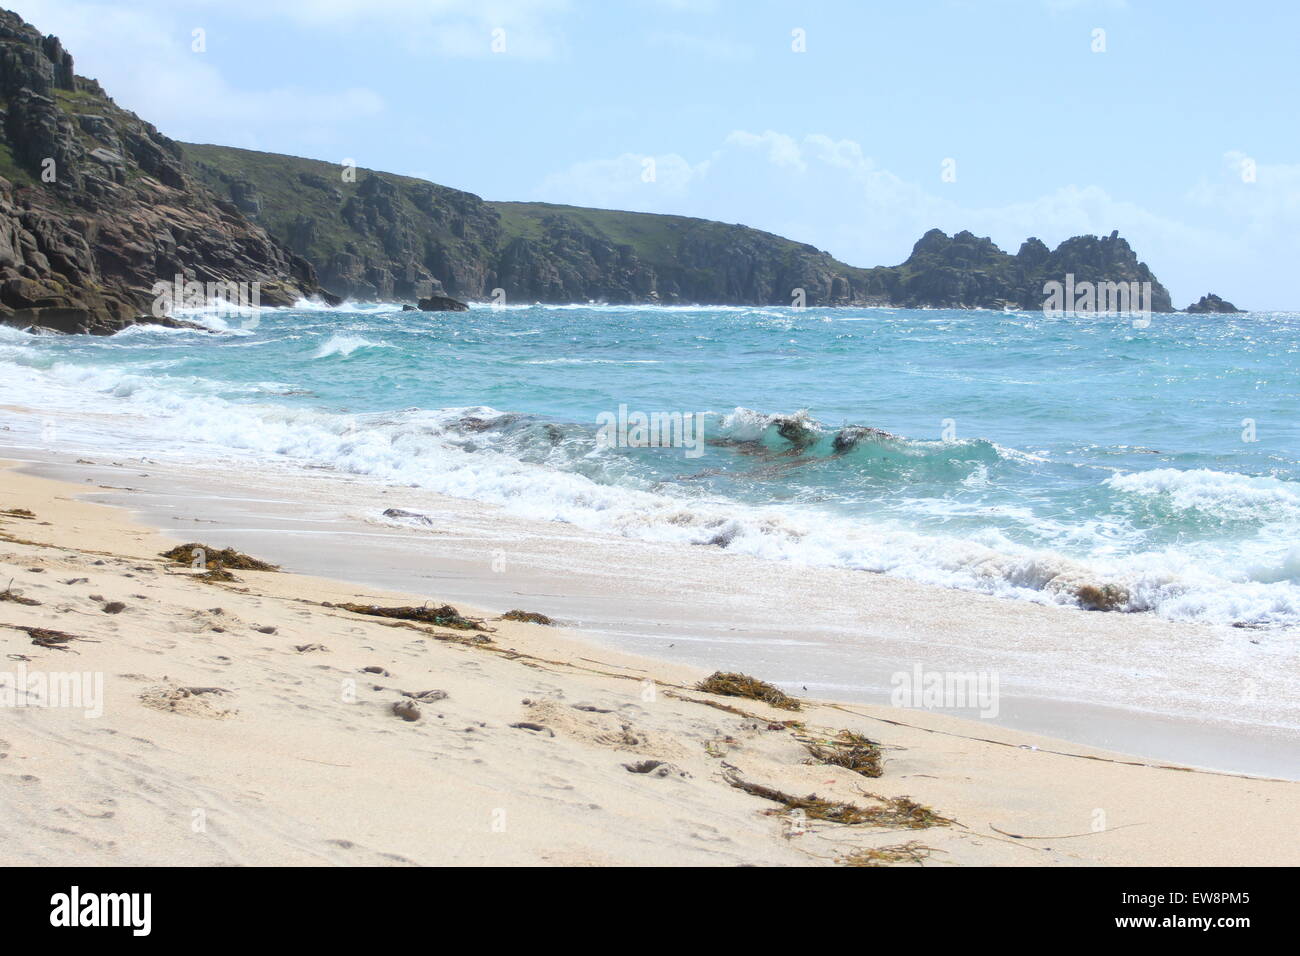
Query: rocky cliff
(377, 235)
(380, 236)
(96, 206)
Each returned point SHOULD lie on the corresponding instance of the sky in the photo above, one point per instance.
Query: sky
(853, 125)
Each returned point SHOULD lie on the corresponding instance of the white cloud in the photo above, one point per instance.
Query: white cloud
(1262, 198)
(634, 181)
(145, 62)
(782, 150)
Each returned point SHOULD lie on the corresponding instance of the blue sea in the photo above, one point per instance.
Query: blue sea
(1049, 459)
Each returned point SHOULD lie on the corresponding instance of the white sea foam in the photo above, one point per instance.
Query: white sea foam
(345, 345)
(1224, 494)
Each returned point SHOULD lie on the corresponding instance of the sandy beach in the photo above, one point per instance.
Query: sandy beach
(255, 721)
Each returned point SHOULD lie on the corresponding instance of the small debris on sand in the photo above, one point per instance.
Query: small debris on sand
(536, 728)
(407, 709)
(428, 696)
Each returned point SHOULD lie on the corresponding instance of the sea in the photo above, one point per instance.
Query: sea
(1098, 461)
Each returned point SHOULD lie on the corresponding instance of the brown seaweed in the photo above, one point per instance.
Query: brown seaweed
(727, 684)
(849, 750)
(444, 616)
(213, 558)
(902, 812)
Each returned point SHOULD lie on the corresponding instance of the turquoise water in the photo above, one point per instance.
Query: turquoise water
(1017, 454)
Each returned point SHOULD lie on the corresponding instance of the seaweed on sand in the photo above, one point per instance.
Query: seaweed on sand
(728, 684)
(445, 616)
(217, 574)
(8, 595)
(213, 558)
(849, 750)
(528, 617)
(17, 513)
(47, 638)
(909, 852)
(902, 812)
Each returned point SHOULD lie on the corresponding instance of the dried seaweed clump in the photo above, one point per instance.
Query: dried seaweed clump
(8, 594)
(218, 574)
(18, 513)
(445, 616)
(909, 852)
(901, 812)
(742, 685)
(849, 750)
(45, 637)
(214, 558)
(528, 617)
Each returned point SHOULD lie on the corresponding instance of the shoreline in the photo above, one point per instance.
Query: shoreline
(1131, 683)
(281, 771)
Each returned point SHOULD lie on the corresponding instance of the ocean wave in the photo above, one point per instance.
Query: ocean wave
(348, 306)
(552, 470)
(344, 345)
(1217, 493)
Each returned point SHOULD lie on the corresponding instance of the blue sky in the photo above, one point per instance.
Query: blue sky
(1182, 133)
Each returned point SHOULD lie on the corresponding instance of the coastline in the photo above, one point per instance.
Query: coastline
(1204, 695)
(295, 775)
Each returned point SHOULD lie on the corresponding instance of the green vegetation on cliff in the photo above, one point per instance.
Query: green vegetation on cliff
(375, 235)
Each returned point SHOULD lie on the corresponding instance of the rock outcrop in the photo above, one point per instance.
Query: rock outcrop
(96, 206)
(442, 303)
(965, 271)
(1212, 303)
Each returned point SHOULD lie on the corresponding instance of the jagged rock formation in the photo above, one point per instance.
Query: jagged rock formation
(96, 207)
(965, 271)
(1212, 303)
